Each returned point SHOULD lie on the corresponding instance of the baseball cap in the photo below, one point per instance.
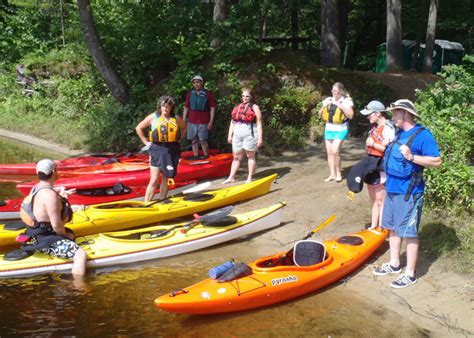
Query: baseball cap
(373, 106)
(45, 166)
(405, 105)
(197, 77)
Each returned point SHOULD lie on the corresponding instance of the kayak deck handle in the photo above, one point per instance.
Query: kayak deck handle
(177, 292)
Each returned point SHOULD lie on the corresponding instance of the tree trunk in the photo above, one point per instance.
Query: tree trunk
(330, 42)
(114, 82)
(394, 36)
(220, 14)
(294, 24)
(430, 37)
(343, 6)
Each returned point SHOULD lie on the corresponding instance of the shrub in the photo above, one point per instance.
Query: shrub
(447, 112)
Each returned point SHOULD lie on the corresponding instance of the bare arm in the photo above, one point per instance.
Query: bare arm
(213, 115)
(144, 124)
(185, 113)
(424, 161)
(231, 131)
(258, 115)
(347, 110)
(182, 127)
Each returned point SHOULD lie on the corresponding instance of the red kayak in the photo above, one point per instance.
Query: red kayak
(77, 163)
(10, 209)
(188, 170)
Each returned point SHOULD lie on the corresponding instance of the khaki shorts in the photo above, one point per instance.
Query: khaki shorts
(245, 137)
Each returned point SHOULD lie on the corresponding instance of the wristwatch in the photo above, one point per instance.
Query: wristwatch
(411, 158)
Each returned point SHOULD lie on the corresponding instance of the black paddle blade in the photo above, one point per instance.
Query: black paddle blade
(217, 214)
(17, 255)
(14, 225)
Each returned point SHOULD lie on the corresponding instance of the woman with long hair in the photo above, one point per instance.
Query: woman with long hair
(336, 111)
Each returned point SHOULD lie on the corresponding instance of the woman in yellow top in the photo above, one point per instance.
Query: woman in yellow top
(336, 111)
(163, 144)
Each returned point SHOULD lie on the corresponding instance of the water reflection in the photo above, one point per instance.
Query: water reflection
(119, 301)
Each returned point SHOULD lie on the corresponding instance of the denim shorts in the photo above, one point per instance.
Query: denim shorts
(197, 131)
(402, 216)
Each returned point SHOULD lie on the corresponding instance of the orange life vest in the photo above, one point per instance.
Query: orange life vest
(376, 133)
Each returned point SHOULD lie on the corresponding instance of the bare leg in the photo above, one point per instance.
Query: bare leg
(152, 184)
(395, 243)
(205, 147)
(377, 196)
(375, 214)
(332, 172)
(252, 164)
(235, 166)
(412, 256)
(195, 145)
(79, 263)
(336, 150)
(163, 187)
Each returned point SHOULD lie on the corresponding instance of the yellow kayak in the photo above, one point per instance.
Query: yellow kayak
(158, 241)
(122, 215)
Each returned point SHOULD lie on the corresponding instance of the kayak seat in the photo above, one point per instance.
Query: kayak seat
(17, 255)
(3, 203)
(350, 240)
(308, 252)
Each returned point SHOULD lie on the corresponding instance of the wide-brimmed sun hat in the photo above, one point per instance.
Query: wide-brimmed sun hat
(404, 104)
(373, 106)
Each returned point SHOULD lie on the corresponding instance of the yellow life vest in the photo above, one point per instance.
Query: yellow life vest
(333, 114)
(164, 130)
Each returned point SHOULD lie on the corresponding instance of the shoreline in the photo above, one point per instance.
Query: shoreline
(440, 304)
(40, 143)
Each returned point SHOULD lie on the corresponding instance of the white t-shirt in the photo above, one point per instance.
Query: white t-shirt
(346, 102)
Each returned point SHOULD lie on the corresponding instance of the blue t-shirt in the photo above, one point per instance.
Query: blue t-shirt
(424, 144)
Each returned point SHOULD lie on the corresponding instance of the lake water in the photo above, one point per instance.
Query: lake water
(119, 301)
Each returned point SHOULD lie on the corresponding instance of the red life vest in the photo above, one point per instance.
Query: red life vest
(243, 113)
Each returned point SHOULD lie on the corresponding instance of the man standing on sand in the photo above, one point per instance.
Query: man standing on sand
(199, 112)
(413, 149)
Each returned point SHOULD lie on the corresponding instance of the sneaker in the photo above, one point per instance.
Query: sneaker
(386, 269)
(403, 281)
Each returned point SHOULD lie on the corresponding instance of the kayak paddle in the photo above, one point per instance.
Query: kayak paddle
(196, 188)
(210, 217)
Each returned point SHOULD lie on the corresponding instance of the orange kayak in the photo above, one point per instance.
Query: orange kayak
(272, 279)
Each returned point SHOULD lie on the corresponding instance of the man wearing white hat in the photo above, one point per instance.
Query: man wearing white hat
(198, 112)
(46, 211)
(413, 149)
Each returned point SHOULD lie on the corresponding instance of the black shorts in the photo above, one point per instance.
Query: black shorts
(166, 157)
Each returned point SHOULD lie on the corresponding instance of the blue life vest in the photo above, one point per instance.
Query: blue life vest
(395, 163)
(199, 101)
